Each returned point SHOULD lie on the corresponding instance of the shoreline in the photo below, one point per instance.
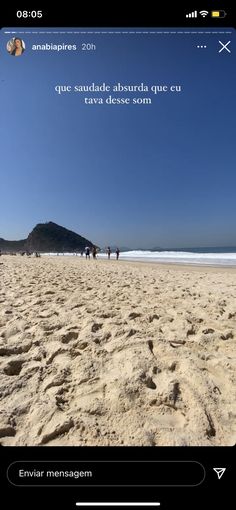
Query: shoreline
(170, 265)
(148, 261)
(153, 263)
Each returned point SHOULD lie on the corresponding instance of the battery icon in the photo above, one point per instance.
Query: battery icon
(218, 14)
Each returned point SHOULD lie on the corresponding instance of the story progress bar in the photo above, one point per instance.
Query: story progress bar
(116, 503)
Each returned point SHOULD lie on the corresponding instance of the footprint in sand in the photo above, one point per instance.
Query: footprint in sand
(13, 367)
(96, 326)
(134, 315)
(67, 337)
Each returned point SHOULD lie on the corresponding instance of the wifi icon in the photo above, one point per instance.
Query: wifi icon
(203, 13)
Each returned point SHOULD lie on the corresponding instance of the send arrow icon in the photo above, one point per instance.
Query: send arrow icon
(219, 472)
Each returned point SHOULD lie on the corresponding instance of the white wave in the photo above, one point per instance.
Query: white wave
(182, 257)
(174, 257)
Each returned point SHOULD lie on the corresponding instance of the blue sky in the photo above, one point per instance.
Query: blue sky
(133, 175)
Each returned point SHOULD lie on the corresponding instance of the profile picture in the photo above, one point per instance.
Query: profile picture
(16, 47)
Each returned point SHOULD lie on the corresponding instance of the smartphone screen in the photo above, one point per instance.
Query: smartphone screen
(117, 346)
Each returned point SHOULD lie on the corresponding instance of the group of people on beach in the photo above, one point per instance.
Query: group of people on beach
(117, 252)
(88, 250)
(29, 253)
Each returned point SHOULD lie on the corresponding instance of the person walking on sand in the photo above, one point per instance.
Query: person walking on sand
(109, 252)
(117, 253)
(87, 252)
(94, 252)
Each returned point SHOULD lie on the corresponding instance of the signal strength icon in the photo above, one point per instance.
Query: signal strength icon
(192, 14)
(203, 13)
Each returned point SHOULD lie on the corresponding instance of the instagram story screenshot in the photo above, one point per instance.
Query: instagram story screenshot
(118, 174)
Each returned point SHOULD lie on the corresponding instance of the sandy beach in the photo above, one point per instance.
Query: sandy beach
(116, 353)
